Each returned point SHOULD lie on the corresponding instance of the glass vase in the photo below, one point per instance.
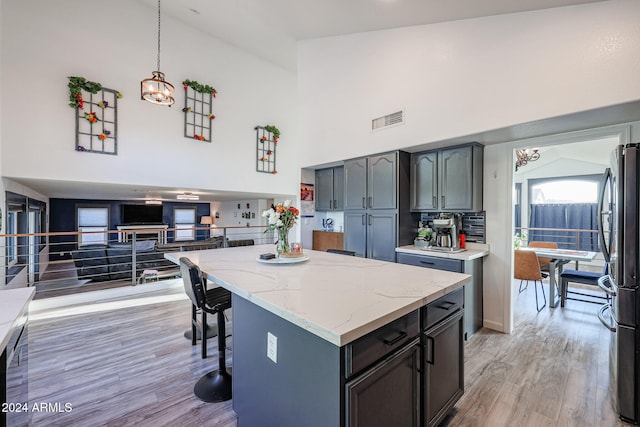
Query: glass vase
(282, 244)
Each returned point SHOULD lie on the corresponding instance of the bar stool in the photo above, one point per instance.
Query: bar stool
(216, 385)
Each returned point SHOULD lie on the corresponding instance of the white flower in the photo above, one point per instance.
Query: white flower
(279, 223)
(274, 217)
(287, 203)
(267, 212)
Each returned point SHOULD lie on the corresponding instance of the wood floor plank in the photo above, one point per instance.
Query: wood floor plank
(132, 366)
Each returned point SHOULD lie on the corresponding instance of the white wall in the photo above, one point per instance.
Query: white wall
(114, 43)
(466, 77)
(230, 215)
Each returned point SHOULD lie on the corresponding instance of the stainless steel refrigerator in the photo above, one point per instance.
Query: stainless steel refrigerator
(619, 240)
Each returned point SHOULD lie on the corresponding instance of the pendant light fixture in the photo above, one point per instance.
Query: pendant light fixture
(155, 89)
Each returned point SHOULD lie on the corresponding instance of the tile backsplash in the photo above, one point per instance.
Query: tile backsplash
(473, 225)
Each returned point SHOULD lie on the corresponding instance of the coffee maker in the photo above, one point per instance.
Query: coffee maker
(446, 227)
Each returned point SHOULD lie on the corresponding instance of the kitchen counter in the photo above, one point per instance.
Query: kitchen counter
(317, 342)
(474, 251)
(336, 297)
(13, 302)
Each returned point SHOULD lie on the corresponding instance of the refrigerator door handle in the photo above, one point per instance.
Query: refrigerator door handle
(601, 213)
(609, 326)
(609, 290)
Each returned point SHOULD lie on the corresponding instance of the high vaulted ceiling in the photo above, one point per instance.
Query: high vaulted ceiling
(271, 28)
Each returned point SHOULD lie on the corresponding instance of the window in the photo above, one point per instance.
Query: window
(12, 242)
(565, 203)
(91, 222)
(185, 223)
(564, 191)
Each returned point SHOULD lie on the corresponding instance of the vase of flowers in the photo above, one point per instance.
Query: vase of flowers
(281, 219)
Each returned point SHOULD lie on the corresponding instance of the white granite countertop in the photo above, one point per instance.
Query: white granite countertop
(12, 303)
(337, 297)
(474, 251)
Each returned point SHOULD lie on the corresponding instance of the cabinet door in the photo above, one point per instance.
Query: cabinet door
(382, 182)
(324, 189)
(355, 184)
(355, 232)
(381, 235)
(338, 188)
(456, 172)
(444, 368)
(424, 181)
(388, 394)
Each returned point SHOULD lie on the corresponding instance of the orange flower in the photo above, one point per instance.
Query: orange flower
(102, 136)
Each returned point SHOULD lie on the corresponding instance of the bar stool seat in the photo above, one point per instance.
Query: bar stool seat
(216, 385)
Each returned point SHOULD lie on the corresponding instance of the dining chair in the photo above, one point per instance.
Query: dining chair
(544, 262)
(587, 278)
(526, 268)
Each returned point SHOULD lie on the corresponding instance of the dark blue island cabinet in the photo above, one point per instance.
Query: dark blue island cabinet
(384, 378)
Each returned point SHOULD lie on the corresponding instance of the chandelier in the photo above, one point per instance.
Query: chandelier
(525, 156)
(155, 89)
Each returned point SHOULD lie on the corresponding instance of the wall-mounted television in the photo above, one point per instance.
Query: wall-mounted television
(141, 214)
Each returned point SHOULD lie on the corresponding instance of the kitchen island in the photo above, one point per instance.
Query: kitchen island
(305, 335)
(14, 312)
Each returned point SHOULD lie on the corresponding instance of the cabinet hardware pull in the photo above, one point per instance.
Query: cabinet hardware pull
(609, 326)
(335, 204)
(395, 339)
(363, 220)
(369, 219)
(330, 207)
(370, 201)
(447, 305)
(435, 202)
(443, 205)
(427, 262)
(430, 350)
(607, 289)
(364, 206)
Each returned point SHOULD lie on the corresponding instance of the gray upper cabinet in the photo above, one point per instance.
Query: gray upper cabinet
(447, 180)
(330, 189)
(382, 182)
(371, 182)
(424, 181)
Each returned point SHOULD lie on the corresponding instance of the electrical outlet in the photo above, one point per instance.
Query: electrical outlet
(272, 347)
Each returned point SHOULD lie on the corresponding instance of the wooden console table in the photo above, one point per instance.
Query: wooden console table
(126, 231)
(323, 240)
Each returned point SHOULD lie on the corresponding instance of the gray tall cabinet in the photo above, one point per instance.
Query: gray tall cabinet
(376, 205)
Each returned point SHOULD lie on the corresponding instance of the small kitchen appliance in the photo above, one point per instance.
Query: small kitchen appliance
(446, 226)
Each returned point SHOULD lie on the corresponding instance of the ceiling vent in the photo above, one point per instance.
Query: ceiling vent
(384, 122)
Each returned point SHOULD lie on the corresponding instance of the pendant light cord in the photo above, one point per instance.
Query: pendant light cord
(158, 69)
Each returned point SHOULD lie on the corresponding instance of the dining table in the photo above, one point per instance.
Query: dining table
(559, 257)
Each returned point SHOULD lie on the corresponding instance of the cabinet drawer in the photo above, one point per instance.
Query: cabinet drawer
(442, 308)
(372, 347)
(455, 265)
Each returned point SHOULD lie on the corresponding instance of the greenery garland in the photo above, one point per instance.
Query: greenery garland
(200, 88)
(76, 86)
(274, 130)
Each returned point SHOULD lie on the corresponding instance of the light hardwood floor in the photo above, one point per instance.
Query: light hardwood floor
(131, 365)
